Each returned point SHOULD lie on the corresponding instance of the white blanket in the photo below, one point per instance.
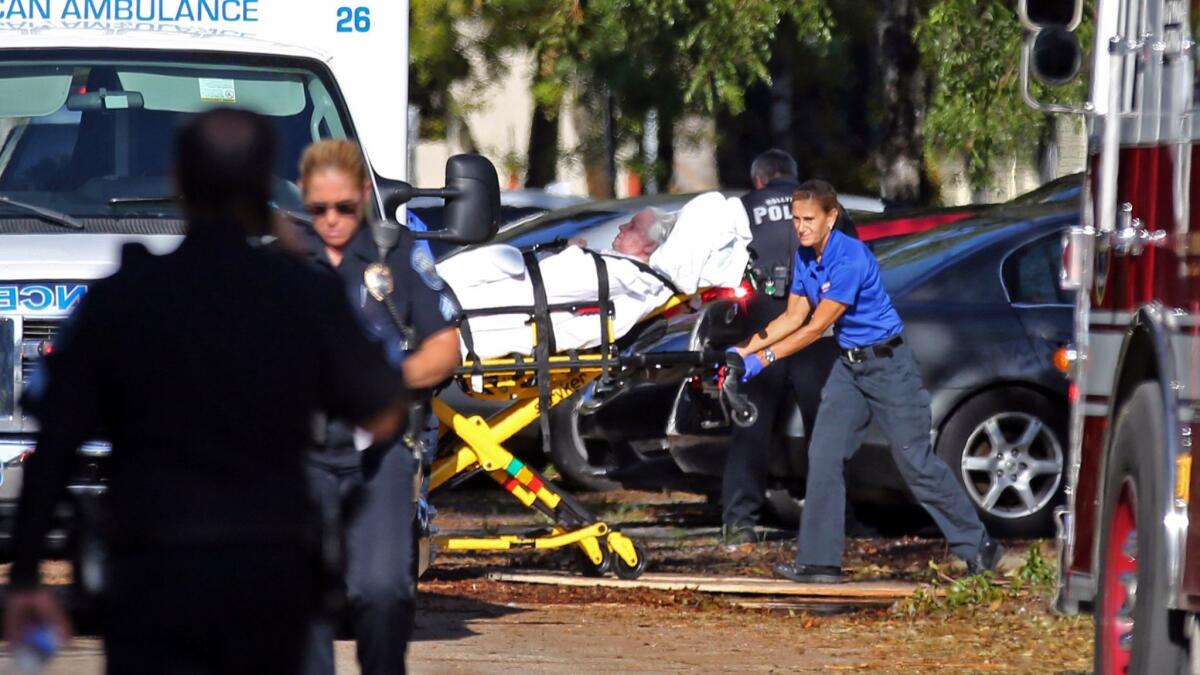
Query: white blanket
(706, 248)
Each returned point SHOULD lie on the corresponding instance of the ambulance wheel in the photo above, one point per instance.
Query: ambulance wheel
(1006, 447)
(623, 570)
(590, 569)
(1135, 632)
(581, 462)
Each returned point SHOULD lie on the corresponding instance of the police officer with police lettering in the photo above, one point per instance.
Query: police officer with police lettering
(836, 282)
(769, 207)
(417, 314)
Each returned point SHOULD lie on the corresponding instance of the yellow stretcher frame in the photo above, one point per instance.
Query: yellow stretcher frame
(600, 547)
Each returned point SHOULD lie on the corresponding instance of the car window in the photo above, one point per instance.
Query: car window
(1031, 273)
(565, 229)
(1058, 190)
(906, 260)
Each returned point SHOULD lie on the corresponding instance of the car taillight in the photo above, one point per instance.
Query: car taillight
(18, 460)
(741, 292)
(738, 294)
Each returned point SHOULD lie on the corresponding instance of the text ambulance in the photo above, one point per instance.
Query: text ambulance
(91, 93)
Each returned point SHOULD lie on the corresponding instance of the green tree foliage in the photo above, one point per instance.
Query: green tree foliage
(972, 50)
(710, 49)
(971, 47)
(436, 60)
(671, 56)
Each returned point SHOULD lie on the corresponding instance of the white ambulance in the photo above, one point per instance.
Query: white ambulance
(91, 94)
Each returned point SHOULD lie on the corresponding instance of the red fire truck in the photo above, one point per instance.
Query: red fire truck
(1126, 551)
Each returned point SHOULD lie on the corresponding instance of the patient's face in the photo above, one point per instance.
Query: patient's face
(632, 239)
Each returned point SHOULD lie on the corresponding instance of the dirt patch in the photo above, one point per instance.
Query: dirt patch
(720, 632)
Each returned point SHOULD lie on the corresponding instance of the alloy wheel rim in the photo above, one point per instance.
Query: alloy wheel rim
(1012, 465)
(1120, 585)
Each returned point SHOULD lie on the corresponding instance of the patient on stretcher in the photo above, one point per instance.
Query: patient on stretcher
(650, 261)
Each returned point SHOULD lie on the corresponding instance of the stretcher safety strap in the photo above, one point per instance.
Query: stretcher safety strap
(544, 330)
(666, 280)
(606, 308)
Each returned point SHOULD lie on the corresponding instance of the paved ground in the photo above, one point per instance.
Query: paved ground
(471, 624)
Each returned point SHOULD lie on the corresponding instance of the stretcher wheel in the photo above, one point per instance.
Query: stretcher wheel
(622, 568)
(745, 417)
(590, 569)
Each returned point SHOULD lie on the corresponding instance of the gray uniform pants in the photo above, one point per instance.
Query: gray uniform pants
(888, 390)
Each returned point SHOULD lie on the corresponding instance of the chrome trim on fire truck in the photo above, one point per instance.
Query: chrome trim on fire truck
(1153, 320)
(1103, 357)
(1078, 374)
(1109, 318)
(1073, 591)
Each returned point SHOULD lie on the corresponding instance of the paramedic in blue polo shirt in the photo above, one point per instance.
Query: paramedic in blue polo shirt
(836, 282)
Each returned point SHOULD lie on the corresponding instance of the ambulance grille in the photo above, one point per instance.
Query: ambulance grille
(142, 226)
(36, 330)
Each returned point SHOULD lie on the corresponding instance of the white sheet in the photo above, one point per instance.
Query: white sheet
(707, 248)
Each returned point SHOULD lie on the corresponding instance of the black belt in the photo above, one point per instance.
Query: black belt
(881, 350)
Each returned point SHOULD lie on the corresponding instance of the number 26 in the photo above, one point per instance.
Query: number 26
(360, 16)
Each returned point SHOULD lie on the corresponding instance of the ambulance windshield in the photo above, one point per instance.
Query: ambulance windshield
(92, 138)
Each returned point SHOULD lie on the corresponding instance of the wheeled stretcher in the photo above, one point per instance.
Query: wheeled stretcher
(533, 385)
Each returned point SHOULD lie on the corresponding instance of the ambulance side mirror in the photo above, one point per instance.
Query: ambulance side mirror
(472, 194)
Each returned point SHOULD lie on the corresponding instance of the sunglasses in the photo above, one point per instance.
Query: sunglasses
(346, 208)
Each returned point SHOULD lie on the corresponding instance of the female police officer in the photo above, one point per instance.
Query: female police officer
(336, 190)
(836, 280)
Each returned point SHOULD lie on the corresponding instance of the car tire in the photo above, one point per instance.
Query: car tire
(1133, 560)
(1007, 448)
(578, 460)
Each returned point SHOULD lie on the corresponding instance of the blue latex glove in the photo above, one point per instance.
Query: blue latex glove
(754, 366)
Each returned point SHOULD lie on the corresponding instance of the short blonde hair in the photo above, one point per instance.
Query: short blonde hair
(334, 153)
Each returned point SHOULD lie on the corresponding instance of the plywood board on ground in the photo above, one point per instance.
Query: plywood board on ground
(881, 590)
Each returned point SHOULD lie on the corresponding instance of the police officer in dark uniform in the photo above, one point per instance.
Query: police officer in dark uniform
(418, 315)
(836, 282)
(204, 367)
(744, 483)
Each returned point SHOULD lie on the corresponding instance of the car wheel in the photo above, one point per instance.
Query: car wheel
(1006, 447)
(581, 462)
(1135, 632)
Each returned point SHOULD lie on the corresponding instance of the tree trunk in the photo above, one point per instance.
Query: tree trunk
(664, 167)
(903, 177)
(542, 156)
(593, 120)
(783, 90)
